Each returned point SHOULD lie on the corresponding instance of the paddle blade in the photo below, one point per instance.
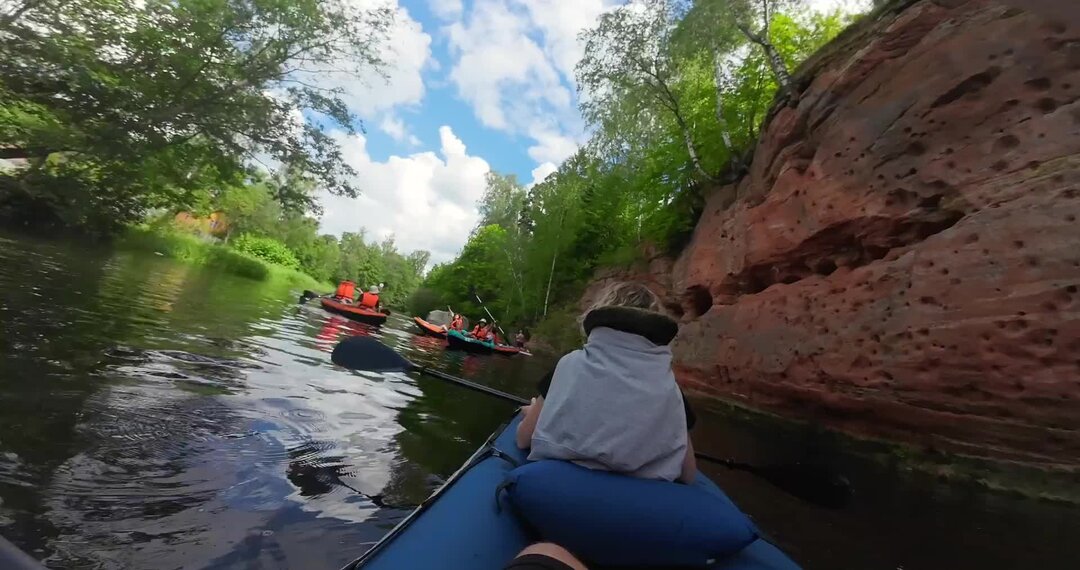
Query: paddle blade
(366, 353)
(307, 295)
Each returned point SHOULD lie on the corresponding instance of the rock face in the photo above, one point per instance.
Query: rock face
(903, 258)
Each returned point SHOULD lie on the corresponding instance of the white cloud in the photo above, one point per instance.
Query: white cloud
(541, 172)
(551, 146)
(397, 130)
(499, 69)
(407, 52)
(424, 200)
(843, 5)
(513, 63)
(560, 22)
(446, 9)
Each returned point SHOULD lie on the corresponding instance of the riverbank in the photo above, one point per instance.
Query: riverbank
(797, 440)
(192, 249)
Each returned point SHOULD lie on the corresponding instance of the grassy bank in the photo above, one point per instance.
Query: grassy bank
(197, 251)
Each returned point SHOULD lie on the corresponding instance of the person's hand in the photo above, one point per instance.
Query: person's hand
(525, 409)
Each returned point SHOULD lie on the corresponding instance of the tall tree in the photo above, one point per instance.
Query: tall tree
(117, 82)
(754, 19)
(628, 68)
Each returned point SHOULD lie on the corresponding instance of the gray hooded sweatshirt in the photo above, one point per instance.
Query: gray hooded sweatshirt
(614, 405)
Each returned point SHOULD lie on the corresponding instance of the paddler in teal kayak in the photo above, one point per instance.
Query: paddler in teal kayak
(483, 332)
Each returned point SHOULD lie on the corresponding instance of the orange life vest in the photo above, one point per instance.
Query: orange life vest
(479, 333)
(346, 290)
(369, 300)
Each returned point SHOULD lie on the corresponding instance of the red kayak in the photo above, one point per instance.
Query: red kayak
(354, 312)
(430, 329)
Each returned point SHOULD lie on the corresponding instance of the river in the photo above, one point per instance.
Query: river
(157, 415)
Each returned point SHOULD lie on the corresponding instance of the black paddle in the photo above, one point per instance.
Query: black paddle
(812, 484)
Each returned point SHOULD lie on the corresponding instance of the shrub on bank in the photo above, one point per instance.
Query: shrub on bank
(559, 332)
(205, 252)
(267, 249)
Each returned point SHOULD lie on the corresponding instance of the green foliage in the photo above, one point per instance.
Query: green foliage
(424, 300)
(198, 251)
(249, 208)
(154, 103)
(560, 331)
(266, 249)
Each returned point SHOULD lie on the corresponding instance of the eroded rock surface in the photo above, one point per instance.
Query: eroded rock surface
(903, 258)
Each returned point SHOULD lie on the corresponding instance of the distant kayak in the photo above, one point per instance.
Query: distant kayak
(461, 528)
(458, 341)
(353, 312)
(429, 329)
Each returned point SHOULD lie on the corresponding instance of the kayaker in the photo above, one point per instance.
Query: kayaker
(346, 290)
(457, 323)
(370, 299)
(519, 339)
(480, 331)
(642, 429)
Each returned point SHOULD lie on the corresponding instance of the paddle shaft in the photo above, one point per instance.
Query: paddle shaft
(493, 319)
(471, 385)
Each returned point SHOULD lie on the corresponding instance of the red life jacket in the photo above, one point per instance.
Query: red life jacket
(346, 290)
(479, 333)
(369, 300)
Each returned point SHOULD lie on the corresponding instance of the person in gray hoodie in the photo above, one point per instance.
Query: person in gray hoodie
(614, 405)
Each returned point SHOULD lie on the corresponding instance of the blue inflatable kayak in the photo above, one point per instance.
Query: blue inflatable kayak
(460, 526)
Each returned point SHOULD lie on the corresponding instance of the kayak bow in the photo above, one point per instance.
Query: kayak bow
(459, 527)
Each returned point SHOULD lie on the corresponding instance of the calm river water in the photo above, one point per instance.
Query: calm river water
(156, 415)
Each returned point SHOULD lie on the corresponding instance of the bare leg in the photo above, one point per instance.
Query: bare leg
(527, 559)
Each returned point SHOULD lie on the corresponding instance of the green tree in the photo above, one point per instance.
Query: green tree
(185, 89)
(628, 72)
(249, 209)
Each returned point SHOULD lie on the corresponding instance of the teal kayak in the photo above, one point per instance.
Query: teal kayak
(460, 527)
(456, 340)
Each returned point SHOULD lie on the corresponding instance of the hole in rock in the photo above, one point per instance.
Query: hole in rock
(698, 300)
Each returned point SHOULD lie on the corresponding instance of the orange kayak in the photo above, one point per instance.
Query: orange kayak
(354, 312)
(430, 329)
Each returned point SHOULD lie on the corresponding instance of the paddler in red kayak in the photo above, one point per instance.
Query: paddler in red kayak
(370, 299)
(346, 291)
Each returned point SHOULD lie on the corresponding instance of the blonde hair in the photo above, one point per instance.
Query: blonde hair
(627, 294)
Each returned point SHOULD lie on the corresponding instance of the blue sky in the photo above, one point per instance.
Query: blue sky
(504, 152)
(471, 86)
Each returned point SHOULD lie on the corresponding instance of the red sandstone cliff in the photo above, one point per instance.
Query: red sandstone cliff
(903, 258)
